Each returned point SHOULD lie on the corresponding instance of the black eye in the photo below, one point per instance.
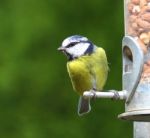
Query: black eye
(72, 44)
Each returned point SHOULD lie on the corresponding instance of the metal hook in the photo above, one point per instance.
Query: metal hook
(133, 60)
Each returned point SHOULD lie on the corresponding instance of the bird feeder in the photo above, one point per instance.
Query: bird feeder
(136, 68)
(136, 60)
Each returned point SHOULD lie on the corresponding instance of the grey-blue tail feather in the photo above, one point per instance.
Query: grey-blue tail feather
(84, 106)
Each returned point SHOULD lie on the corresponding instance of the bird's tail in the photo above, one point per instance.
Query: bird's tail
(84, 106)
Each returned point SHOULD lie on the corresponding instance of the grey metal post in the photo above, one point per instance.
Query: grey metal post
(141, 130)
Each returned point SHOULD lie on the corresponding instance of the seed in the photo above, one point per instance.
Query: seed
(130, 7)
(132, 18)
(131, 31)
(145, 38)
(136, 2)
(136, 9)
(142, 45)
(143, 24)
(143, 3)
(146, 17)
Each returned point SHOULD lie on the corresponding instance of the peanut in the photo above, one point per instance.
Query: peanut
(142, 45)
(143, 3)
(132, 18)
(130, 7)
(132, 32)
(148, 35)
(148, 63)
(146, 17)
(145, 38)
(141, 30)
(136, 2)
(145, 9)
(143, 24)
(145, 67)
(134, 25)
(136, 9)
(147, 71)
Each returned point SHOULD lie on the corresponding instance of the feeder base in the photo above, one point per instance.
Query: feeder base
(138, 115)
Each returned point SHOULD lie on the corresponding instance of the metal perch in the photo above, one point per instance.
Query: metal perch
(113, 94)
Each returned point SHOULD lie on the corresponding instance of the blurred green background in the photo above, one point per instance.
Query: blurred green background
(36, 96)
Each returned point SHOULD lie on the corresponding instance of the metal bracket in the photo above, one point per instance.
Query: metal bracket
(133, 60)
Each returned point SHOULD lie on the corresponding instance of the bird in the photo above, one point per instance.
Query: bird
(87, 67)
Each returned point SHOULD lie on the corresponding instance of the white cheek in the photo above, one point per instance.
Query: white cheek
(78, 49)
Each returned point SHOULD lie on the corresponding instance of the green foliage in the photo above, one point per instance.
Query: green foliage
(36, 96)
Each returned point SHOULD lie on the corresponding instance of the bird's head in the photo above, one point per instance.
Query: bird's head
(76, 46)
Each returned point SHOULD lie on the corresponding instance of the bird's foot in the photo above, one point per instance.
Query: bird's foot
(93, 92)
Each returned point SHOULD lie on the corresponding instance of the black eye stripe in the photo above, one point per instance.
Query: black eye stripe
(71, 44)
(74, 43)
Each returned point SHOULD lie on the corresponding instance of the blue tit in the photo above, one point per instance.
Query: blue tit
(87, 67)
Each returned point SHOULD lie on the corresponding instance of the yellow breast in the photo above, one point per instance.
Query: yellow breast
(88, 71)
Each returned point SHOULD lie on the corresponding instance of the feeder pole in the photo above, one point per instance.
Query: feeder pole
(141, 130)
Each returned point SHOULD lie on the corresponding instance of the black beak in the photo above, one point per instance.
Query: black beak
(61, 49)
